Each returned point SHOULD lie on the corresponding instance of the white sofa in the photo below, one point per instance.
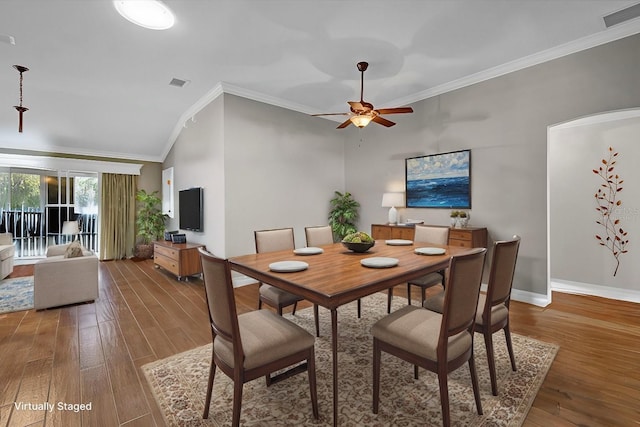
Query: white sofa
(60, 281)
(7, 252)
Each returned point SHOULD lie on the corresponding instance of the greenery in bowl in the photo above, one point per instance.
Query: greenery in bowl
(358, 241)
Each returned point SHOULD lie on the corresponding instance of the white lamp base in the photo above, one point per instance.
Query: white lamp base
(393, 215)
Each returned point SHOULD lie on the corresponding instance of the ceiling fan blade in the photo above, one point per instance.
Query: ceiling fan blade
(330, 114)
(357, 106)
(344, 124)
(383, 121)
(399, 110)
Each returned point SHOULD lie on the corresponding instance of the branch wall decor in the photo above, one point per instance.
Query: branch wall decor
(614, 237)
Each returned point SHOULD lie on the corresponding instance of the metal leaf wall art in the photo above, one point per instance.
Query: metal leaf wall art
(608, 204)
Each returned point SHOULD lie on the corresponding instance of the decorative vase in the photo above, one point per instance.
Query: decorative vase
(454, 222)
(463, 221)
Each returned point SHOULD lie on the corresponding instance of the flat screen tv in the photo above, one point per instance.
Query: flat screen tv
(439, 180)
(190, 209)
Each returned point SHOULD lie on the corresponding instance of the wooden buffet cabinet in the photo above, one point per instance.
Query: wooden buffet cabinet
(468, 237)
(181, 259)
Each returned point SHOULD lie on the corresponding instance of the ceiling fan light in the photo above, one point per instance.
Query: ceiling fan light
(361, 120)
(151, 14)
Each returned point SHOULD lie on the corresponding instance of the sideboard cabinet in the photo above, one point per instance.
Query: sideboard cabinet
(181, 259)
(468, 237)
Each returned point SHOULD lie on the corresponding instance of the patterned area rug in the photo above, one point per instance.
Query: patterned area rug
(179, 382)
(16, 294)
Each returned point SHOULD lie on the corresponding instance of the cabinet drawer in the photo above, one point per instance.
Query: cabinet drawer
(460, 243)
(167, 252)
(168, 264)
(459, 235)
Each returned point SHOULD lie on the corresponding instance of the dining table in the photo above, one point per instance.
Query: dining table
(332, 275)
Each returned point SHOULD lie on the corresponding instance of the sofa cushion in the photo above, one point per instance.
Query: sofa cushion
(74, 250)
(6, 252)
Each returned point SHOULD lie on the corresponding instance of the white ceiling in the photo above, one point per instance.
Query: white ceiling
(99, 85)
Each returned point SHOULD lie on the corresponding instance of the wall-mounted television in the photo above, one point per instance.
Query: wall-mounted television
(190, 209)
(439, 180)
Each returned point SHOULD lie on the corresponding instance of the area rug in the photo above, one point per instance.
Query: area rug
(179, 382)
(16, 294)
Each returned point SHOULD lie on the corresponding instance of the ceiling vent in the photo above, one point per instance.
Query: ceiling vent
(622, 15)
(178, 82)
(7, 39)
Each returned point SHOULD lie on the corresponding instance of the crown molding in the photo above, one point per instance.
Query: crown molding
(611, 34)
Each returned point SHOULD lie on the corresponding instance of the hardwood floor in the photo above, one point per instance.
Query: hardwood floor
(92, 353)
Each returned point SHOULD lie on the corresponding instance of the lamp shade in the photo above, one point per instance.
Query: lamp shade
(392, 200)
(70, 228)
(361, 120)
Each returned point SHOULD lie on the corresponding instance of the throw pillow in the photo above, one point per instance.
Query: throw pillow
(73, 250)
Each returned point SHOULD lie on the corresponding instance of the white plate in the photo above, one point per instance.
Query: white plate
(430, 251)
(379, 262)
(288, 266)
(399, 242)
(308, 251)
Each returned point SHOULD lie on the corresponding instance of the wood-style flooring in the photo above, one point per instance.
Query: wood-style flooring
(92, 353)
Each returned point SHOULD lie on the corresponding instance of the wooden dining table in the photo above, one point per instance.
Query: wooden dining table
(336, 277)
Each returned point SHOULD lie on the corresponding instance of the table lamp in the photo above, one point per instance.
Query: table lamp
(70, 228)
(391, 200)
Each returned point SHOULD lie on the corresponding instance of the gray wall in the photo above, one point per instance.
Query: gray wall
(504, 121)
(280, 168)
(261, 167)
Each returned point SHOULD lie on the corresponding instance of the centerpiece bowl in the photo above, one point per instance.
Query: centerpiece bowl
(359, 247)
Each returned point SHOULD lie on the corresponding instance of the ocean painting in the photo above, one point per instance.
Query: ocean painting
(439, 181)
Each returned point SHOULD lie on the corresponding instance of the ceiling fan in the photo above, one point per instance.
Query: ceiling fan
(362, 113)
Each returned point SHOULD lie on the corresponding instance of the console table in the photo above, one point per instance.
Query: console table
(468, 237)
(181, 259)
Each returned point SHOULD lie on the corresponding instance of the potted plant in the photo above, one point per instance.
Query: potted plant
(463, 219)
(150, 222)
(454, 217)
(343, 215)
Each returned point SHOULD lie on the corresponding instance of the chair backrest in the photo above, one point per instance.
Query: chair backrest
(503, 266)
(274, 240)
(431, 234)
(461, 292)
(319, 236)
(220, 299)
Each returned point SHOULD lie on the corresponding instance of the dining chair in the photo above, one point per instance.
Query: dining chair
(425, 234)
(278, 240)
(493, 307)
(440, 343)
(322, 235)
(253, 344)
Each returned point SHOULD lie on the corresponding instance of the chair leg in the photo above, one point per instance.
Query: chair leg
(444, 396)
(415, 372)
(409, 293)
(259, 304)
(389, 299)
(316, 318)
(507, 335)
(488, 343)
(359, 307)
(376, 375)
(474, 383)
(237, 401)
(212, 374)
(295, 304)
(313, 389)
(423, 295)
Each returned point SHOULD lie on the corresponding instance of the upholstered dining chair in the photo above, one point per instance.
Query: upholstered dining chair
(322, 235)
(425, 234)
(440, 343)
(493, 307)
(253, 344)
(278, 239)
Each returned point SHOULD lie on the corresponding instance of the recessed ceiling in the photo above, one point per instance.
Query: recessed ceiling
(99, 85)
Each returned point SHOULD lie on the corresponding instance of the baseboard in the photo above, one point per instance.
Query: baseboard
(541, 300)
(569, 287)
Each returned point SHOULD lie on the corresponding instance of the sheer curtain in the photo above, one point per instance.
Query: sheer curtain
(118, 216)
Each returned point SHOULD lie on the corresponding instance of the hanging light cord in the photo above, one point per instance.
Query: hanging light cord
(21, 69)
